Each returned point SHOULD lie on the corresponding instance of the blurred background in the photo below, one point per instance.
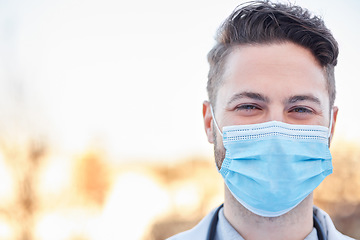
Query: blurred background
(101, 133)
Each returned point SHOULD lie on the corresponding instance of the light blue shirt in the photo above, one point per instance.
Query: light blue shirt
(224, 230)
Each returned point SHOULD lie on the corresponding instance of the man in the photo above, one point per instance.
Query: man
(271, 117)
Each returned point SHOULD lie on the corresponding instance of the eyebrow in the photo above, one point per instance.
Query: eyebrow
(251, 95)
(262, 98)
(299, 98)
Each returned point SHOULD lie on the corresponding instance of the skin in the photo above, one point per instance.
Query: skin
(267, 82)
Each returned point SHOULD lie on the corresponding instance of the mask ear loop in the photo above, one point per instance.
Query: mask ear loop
(331, 122)
(213, 115)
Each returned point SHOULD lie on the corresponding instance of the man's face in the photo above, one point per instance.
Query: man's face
(261, 83)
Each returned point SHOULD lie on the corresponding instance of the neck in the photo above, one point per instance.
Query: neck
(294, 225)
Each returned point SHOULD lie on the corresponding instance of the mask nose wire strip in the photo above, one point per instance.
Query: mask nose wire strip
(213, 116)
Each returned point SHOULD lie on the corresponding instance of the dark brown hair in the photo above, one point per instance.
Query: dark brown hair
(263, 22)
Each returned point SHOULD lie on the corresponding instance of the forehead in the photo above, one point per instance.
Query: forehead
(277, 69)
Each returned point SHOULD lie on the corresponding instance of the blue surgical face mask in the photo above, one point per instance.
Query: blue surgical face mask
(271, 167)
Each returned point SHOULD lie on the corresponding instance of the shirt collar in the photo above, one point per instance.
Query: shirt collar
(224, 230)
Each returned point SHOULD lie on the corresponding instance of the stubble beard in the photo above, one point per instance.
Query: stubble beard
(219, 151)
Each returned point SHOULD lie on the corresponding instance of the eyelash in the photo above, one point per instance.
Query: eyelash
(301, 110)
(255, 107)
(295, 109)
(247, 107)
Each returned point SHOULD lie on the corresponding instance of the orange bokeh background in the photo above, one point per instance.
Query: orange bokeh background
(90, 198)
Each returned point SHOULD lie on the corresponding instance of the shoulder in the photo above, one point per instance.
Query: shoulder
(329, 227)
(199, 232)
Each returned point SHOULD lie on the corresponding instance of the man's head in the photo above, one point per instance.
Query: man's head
(263, 22)
(271, 62)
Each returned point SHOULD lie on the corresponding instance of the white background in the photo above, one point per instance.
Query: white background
(130, 76)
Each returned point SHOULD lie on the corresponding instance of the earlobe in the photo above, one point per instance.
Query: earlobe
(208, 121)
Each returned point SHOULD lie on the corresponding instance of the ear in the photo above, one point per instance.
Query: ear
(334, 116)
(208, 121)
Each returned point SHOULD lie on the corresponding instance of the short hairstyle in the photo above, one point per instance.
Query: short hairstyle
(263, 22)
